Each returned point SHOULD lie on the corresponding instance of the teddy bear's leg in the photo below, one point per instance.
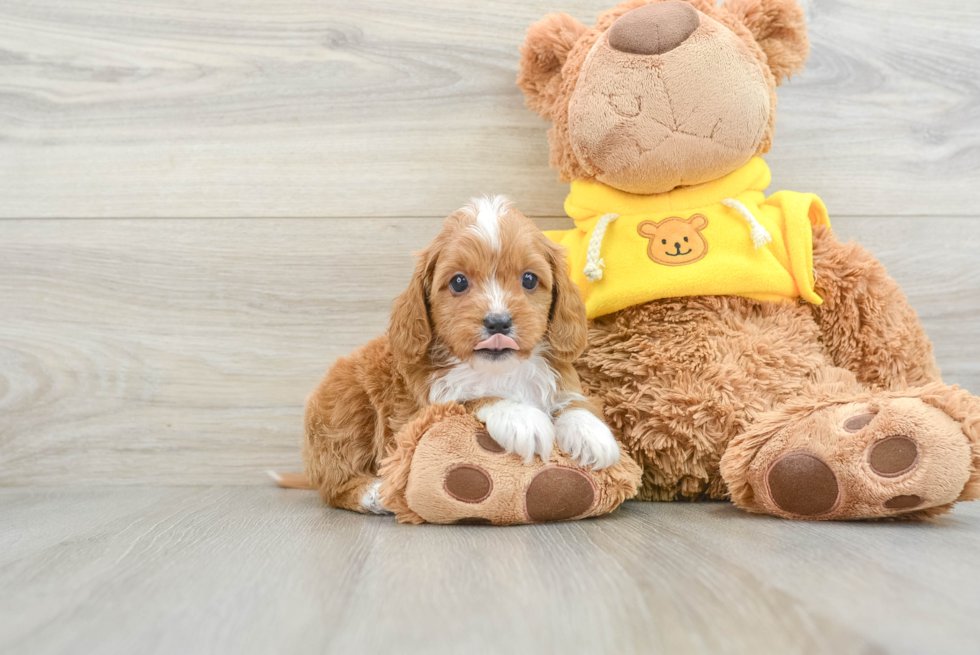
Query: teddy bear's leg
(910, 453)
(867, 324)
(445, 468)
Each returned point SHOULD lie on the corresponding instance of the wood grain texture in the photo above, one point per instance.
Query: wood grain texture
(147, 349)
(261, 570)
(180, 351)
(261, 108)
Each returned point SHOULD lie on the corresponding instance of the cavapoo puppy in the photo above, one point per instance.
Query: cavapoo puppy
(490, 320)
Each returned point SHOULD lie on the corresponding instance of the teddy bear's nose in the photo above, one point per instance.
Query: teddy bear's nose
(655, 28)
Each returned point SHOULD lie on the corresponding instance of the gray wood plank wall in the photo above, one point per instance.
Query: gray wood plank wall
(165, 303)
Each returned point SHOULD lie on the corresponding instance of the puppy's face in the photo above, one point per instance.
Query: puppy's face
(490, 289)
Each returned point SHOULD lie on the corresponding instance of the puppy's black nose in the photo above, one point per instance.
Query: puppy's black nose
(498, 323)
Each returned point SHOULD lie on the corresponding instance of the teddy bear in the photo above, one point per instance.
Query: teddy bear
(741, 350)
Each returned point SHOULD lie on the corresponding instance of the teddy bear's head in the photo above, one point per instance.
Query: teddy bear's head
(662, 93)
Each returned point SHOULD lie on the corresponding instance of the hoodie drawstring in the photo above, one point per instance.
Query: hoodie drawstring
(593, 262)
(760, 235)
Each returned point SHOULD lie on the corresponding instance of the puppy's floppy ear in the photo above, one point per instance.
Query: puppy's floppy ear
(780, 29)
(567, 330)
(543, 54)
(410, 330)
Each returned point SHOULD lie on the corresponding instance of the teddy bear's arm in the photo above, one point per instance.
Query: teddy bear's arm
(867, 323)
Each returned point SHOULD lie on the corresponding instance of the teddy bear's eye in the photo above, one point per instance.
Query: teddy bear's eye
(663, 241)
(685, 239)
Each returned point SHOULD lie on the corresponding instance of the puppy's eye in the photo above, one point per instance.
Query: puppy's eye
(459, 283)
(663, 241)
(529, 281)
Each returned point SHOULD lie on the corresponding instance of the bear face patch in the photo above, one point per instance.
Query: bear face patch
(674, 241)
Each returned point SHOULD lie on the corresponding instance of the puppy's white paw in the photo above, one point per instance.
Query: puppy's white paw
(586, 439)
(371, 501)
(519, 429)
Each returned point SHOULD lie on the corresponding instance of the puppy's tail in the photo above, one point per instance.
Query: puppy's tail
(290, 480)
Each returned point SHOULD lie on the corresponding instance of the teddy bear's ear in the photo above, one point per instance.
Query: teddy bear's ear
(780, 29)
(543, 54)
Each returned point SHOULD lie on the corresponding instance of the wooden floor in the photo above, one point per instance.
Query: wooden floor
(202, 205)
(261, 570)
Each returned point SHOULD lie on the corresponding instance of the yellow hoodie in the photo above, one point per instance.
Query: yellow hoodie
(722, 238)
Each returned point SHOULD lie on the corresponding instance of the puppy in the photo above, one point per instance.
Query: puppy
(490, 320)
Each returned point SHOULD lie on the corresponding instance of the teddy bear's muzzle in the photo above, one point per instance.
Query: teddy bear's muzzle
(655, 28)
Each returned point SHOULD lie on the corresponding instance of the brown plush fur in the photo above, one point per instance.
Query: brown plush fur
(779, 29)
(866, 324)
(682, 379)
(365, 399)
(679, 378)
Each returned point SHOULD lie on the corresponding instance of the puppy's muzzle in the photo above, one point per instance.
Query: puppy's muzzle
(499, 328)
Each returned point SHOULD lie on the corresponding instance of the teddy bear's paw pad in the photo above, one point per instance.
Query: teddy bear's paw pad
(910, 501)
(893, 456)
(472, 520)
(558, 494)
(486, 442)
(858, 423)
(801, 483)
(469, 484)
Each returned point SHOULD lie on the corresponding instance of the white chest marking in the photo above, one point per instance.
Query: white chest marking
(532, 382)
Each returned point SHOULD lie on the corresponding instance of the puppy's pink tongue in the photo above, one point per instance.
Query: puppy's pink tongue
(497, 342)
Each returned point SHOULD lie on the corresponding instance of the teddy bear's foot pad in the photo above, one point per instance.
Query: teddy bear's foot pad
(459, 474)
(883, 458)
(558, 494)
(800, 483)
